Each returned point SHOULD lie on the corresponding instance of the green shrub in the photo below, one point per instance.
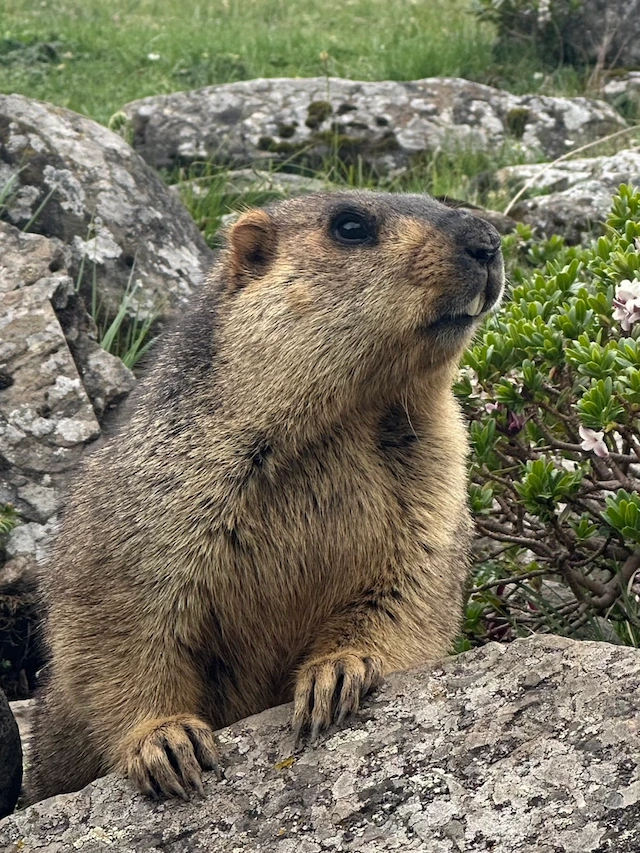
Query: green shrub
(542, 26)
(8, 520)
(552, 392)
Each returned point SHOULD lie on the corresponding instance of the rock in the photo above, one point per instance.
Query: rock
(240, 181)
(54, 380)
(32, 540)
(386, 125)
(10, 759)
(578, 192)
(623, 93)
(26, 259)
(45, 416)
(106, 226)
(524, 748)
(589, 31)
(105, 378)
(16, 574)
(46, 421)
(72, 179)
(23, 712)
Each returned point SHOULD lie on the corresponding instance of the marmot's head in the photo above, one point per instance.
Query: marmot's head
(358, 285)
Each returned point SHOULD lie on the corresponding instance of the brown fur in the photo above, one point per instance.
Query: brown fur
(284, 517)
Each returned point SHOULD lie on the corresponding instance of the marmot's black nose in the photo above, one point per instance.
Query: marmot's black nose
(477, 238)
(482, 253)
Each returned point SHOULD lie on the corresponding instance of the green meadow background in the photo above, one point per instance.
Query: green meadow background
(95, 56)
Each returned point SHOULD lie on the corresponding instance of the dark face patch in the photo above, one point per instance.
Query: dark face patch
(259, 454)
(190, 348)
(395, 432)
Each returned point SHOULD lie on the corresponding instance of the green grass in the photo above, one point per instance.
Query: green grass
(8, 520)
(93, 57)
(127, 337)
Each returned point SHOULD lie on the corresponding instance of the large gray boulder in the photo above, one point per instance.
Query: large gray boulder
(572, 198)
(55, 384)
(30, 259)
(10, 759)
(385, 125)
(525, 748)
(46, 421)
(67, 177)
(55, 379)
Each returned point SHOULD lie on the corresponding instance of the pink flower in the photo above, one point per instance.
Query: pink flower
(592, 440)
(626, 303)
(515, 423)
(491, 407)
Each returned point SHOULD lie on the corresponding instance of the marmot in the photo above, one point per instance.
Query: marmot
(284, 516)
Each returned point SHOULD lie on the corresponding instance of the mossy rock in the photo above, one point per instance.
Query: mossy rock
(517, 119)
(317, 113)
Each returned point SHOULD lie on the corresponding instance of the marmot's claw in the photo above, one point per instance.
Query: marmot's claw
(167, 756)
(329, 688)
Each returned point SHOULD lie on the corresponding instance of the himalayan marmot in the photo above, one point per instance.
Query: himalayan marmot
(284, 515)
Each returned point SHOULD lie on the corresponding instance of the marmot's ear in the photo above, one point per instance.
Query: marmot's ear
(252, 241)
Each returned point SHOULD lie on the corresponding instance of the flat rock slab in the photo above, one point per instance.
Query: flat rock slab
(525, 748)
(577, 195)
(384, 125)
(69, 178)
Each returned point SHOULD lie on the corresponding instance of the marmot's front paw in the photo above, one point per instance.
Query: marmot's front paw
(167, 756)
(329, 688)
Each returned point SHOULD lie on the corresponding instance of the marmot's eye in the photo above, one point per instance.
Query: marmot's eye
(352, 228)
